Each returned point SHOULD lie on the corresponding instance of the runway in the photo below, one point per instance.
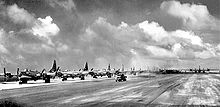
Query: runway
(144, 90)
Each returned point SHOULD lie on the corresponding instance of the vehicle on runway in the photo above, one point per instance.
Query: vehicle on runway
(27, 74)
(120, 78)
(7, 76)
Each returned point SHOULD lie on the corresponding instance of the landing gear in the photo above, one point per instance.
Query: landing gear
(109, 76)
(64, 79)
(47, 79)
(23, 81)
(82, 77)
(94, 76)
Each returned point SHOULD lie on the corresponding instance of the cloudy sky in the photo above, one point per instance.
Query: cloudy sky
(139, 33)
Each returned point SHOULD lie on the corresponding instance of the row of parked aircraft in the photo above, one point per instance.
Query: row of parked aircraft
(25, 75)
(199, 70)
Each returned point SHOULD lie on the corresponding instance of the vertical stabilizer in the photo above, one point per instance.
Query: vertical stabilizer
(86, 68)
(54, 66)
(4, 72)
(109, 67)
(17, 71)
(122, 69)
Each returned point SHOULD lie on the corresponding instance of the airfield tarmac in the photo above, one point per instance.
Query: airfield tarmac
(142, 90)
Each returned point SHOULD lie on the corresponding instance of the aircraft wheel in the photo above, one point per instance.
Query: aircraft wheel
(64, 79)
(83, 78)
(22, 81)
(47, 79)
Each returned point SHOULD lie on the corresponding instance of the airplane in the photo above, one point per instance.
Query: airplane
(68, 73)
(86, 71)
(27, 74)
(81, 73)
(7, 76)
(52, 73)
(110, 72)
(106, 72)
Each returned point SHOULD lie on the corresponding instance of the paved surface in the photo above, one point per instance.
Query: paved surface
(181, 89)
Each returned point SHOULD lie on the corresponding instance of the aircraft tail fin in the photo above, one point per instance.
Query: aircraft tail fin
(122, 69)
(109, 67)
(17, 71)
(54, 66)
(4, 72)
(86, 68)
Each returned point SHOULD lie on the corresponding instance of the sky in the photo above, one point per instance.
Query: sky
(136, 33)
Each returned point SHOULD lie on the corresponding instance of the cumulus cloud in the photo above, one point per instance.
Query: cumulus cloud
(2, 40)
(160, 52)
(42, 27)
(154, 30)
(3, 49)
(35, 35)
(45, 27)
(194, 16)
(101, 42)
(187, 36)
(146, 40)
(66, 4)
(20, 15)
(62, 47)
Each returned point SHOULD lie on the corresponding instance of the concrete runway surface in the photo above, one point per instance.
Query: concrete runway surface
(138, 91)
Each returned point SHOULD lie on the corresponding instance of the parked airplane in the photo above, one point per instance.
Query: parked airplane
(68, 73)
(27, 75)
(52, 73)
(7, 76)
(73, 74)
(86, 71)
(110, 72)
